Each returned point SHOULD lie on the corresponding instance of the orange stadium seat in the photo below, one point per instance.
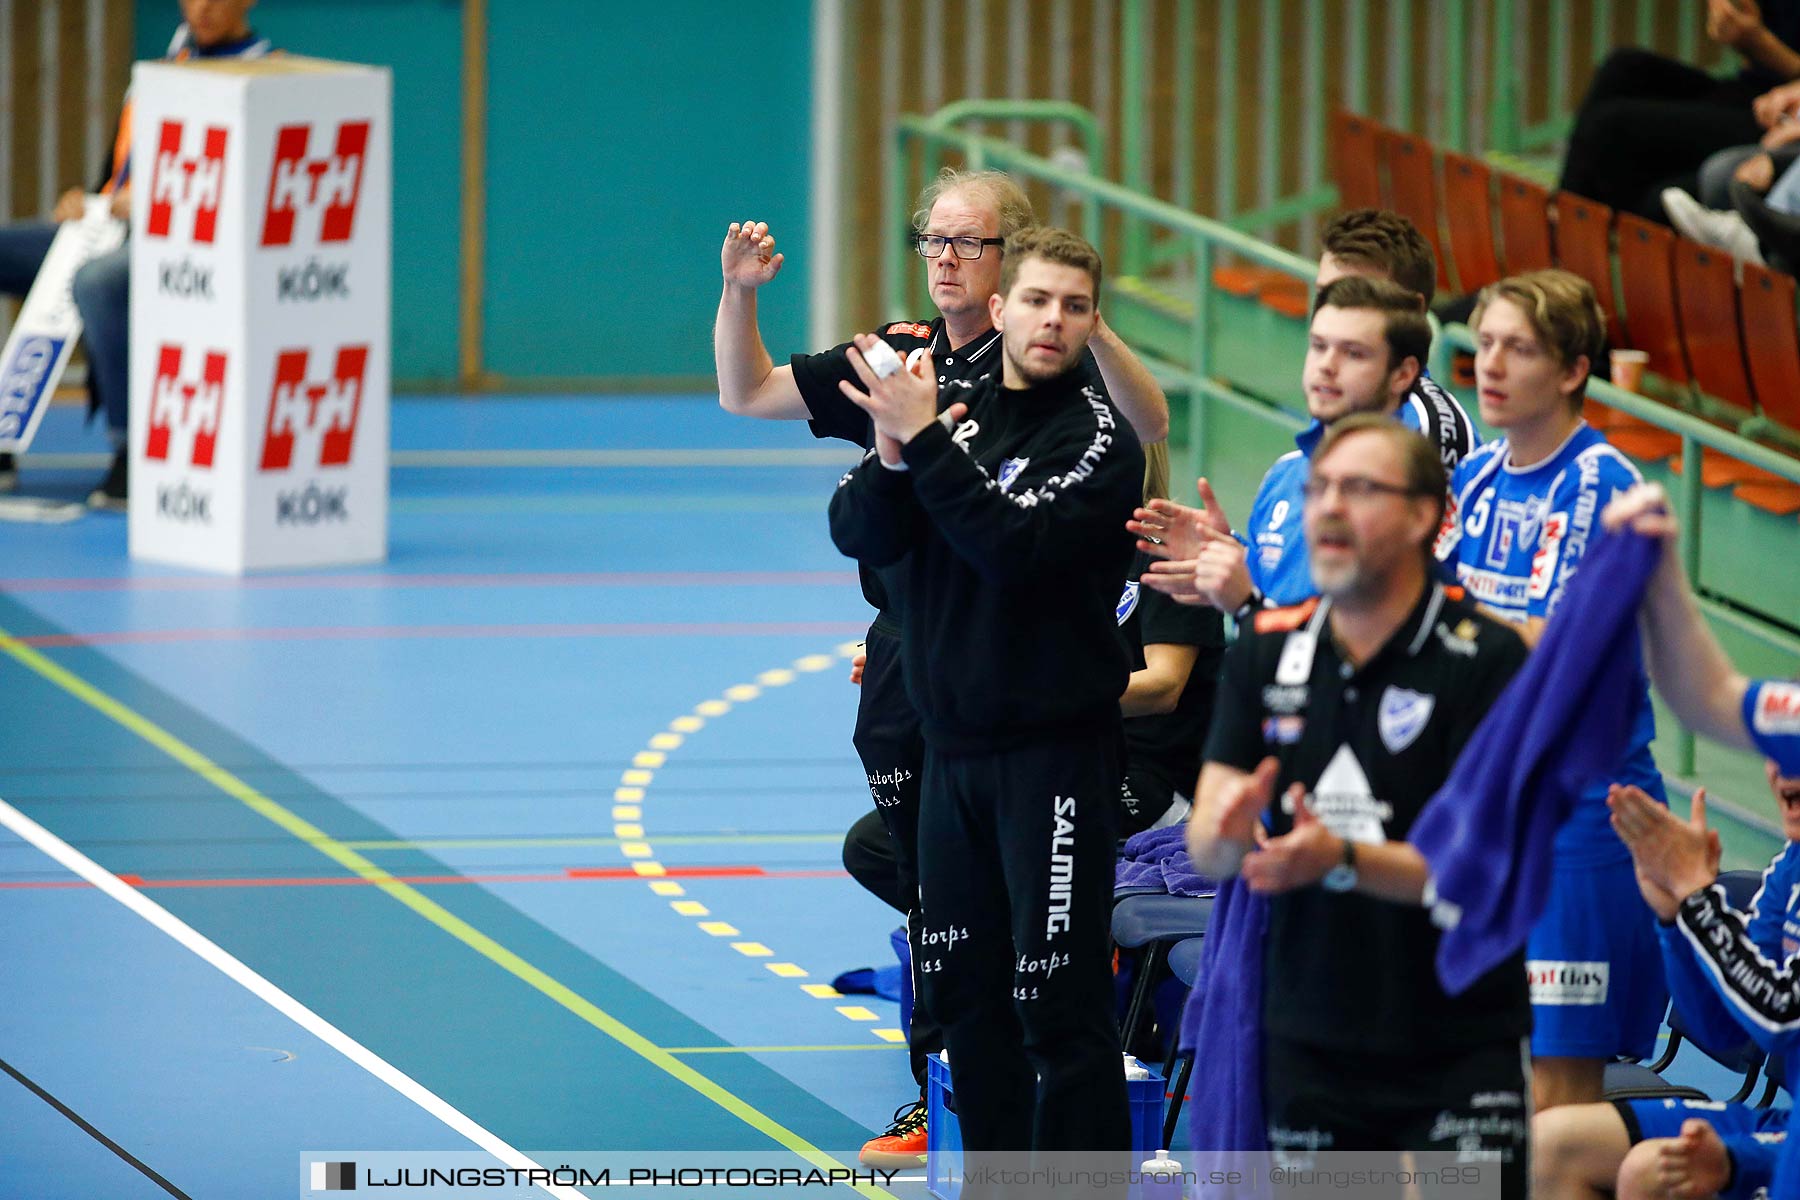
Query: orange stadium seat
(1524, 225)
(1469, 215)
(1584, 246)
(1647, 290)
(1354, 160)
(1412, 189)
(1707, 295)
(1773, 342)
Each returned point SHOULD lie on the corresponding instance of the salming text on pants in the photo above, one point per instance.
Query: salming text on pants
(1015, 957)
(892, 750)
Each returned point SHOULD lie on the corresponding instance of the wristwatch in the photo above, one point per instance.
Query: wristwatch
(1252, 604)
(1342, 877)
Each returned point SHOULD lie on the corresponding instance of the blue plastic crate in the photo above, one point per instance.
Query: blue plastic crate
(943, 1135)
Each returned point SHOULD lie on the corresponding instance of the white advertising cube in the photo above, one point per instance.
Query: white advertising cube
(261, 201)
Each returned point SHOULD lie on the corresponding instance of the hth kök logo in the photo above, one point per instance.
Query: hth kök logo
(314, 410)
(331, 182)
(192, 406)
(185, 181)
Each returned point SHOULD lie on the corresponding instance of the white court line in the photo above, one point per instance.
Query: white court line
(277, 999)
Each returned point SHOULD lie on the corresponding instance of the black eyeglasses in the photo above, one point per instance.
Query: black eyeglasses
(931, 245)
(1354, 488)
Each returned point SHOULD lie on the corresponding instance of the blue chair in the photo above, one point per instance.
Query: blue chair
(1153, 923)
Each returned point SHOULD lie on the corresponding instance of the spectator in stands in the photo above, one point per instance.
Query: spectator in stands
(102, 287)
(1524, 511)
(961, 220)
(1649, 122)
(1760, 222)
(1579, 1149)
(1367, 346)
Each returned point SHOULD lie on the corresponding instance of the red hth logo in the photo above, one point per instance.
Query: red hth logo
(193, 181)
(192, 406)
(326, 410)
(335, 182)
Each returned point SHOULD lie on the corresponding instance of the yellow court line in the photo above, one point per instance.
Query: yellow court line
(773, 1049)
(429, 909)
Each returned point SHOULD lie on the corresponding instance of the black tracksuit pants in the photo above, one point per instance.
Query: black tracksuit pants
(1017, 869)
(892, 750)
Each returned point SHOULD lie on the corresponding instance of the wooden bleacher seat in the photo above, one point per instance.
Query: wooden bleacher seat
(1469, 215)
(1524, 225)
(1355, 163)
(1412, 189)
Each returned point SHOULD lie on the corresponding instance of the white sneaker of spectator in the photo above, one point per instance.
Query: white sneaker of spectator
(1721, 229)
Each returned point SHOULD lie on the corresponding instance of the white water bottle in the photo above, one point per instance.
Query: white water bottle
(1161, 1178)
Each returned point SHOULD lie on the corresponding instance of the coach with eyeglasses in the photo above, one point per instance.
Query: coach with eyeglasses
(1351, 709)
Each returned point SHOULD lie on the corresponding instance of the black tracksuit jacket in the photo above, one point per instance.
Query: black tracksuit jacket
(1007, 540)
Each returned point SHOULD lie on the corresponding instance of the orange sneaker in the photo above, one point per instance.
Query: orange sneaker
(903, 1145)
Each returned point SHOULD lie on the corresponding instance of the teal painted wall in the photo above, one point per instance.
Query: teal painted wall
(421, 40)
(623, 139)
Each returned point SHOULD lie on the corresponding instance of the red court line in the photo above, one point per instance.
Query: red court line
(390, 580)
(350, 633)
(566, 875)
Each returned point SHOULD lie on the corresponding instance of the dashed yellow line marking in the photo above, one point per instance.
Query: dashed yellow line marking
(628, 817)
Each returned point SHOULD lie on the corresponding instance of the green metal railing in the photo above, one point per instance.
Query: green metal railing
(1112, 207)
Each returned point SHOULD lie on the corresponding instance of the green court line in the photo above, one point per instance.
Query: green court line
(449, 922)
(780, 1049)
(527, 843)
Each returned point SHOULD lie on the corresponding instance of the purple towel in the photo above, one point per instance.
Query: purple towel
(1154, 845)
(1223, 1024)
(1179, 876)
(1128, 874)
(1562, 723)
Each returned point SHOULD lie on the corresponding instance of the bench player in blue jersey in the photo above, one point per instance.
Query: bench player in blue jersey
(1714, 698)
(1524, 509)
(1585, 1151)
(1366, 346)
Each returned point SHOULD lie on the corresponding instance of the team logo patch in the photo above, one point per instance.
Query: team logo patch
(1009, 471)
(1128, 601)
(1402, 717)
(1568, 984)
(910, 329)
(1777, 708)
